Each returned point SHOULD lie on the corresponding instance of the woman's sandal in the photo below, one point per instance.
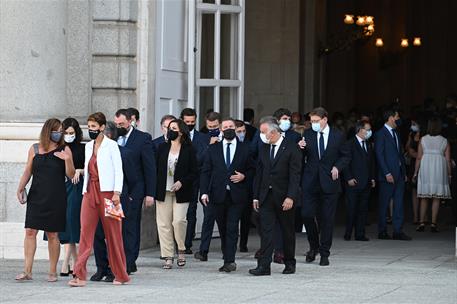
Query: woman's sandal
(52, 277)
(433, 228)
(181, 261)
(117, 283)
(421, 227)
(168, 263)
(23, 277)
(77, 283)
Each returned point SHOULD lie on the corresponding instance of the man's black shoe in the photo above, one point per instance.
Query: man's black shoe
(260, 271)
(289, 269)
(362, 238)
(324, 261)
(228, 267)
(244, 249)
(311, 256)
(401, 237)
(98, 276)
(201, 256)
(384, 236)
(347, 237)
(188, 251)
(109, 277)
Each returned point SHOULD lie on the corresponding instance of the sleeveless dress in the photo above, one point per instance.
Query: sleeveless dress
(433, 181)
(47, 198)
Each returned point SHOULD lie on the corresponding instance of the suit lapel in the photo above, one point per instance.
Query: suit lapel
(236, 156)
(281, 149)
(131, 138)
(329, 142)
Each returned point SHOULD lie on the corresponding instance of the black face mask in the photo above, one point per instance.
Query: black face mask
(229, 134)
(191, 127)
(172, 135)
(214, 132)
(94, 133)
(122, 131)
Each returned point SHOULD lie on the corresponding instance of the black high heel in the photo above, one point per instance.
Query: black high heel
(421, 227)
(66, 274)
(433, 228)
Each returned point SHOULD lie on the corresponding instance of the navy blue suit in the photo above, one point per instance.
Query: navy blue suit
(320, 191)
(227, 200)
(139, 166)
(362, 169)
(200, 142)
(389, 156)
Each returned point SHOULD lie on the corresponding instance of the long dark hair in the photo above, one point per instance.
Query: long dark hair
(185, 137)
(71, 122)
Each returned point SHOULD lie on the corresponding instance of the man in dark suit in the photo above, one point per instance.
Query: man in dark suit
(276, 191)
(224, 188)
(325, 159)
(359, 179)
(248, 117)
(164, 122)
(282, 117)
(139, 186)
(213, 121)
(391, 175)
(200, 142)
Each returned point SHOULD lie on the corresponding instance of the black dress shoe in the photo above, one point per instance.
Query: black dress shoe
(260, 271)
(228, 267)
(347, 237)
(311, 256)
(244, 249)
(401, 237)
(188, 251)
(109, 277)
(201, 256)
(98, 276)
(324, 261)
(289, 269)
(362, 238)
(134, 268)
(384, 236)
(131, 269)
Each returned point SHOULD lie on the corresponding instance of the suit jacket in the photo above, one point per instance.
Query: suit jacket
(282, 176)
(200, 142)
(139, 165)
(317, 172)
(256, 142)
(215, 175)
(186, 172)
(390, 159)
(362, 165)
(250, 131)
(109, 165)
(156, 143)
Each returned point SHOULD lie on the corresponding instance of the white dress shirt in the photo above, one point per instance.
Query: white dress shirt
(277, 145)
(325, 132)
(232, 149)
(191, 134)
(361, 142)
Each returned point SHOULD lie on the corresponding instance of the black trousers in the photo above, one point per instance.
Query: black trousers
(209, 218)
(131, 234)
(228, 214)
(270, 213)
(357, 210)
(318, 211)
(192, 217)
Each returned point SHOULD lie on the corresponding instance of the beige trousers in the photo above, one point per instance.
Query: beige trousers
(171, 224)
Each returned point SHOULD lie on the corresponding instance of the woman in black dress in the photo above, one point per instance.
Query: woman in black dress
(72, 137)
(49, 161)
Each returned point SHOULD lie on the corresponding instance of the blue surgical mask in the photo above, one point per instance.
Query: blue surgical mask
(316, 126)
(241, 136)
(284, 124)
(214, 132)
(56, 136)
(369, 133)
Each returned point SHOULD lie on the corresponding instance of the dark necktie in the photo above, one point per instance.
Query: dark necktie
(395, 138)
(272, 152)
(364, 144)
(321, 145)
(227, 155)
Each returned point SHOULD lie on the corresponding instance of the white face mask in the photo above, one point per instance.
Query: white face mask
(69, 138)
(264, 139)
(415, 128)
(369, 133)
(316, 126)
(133, 124)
